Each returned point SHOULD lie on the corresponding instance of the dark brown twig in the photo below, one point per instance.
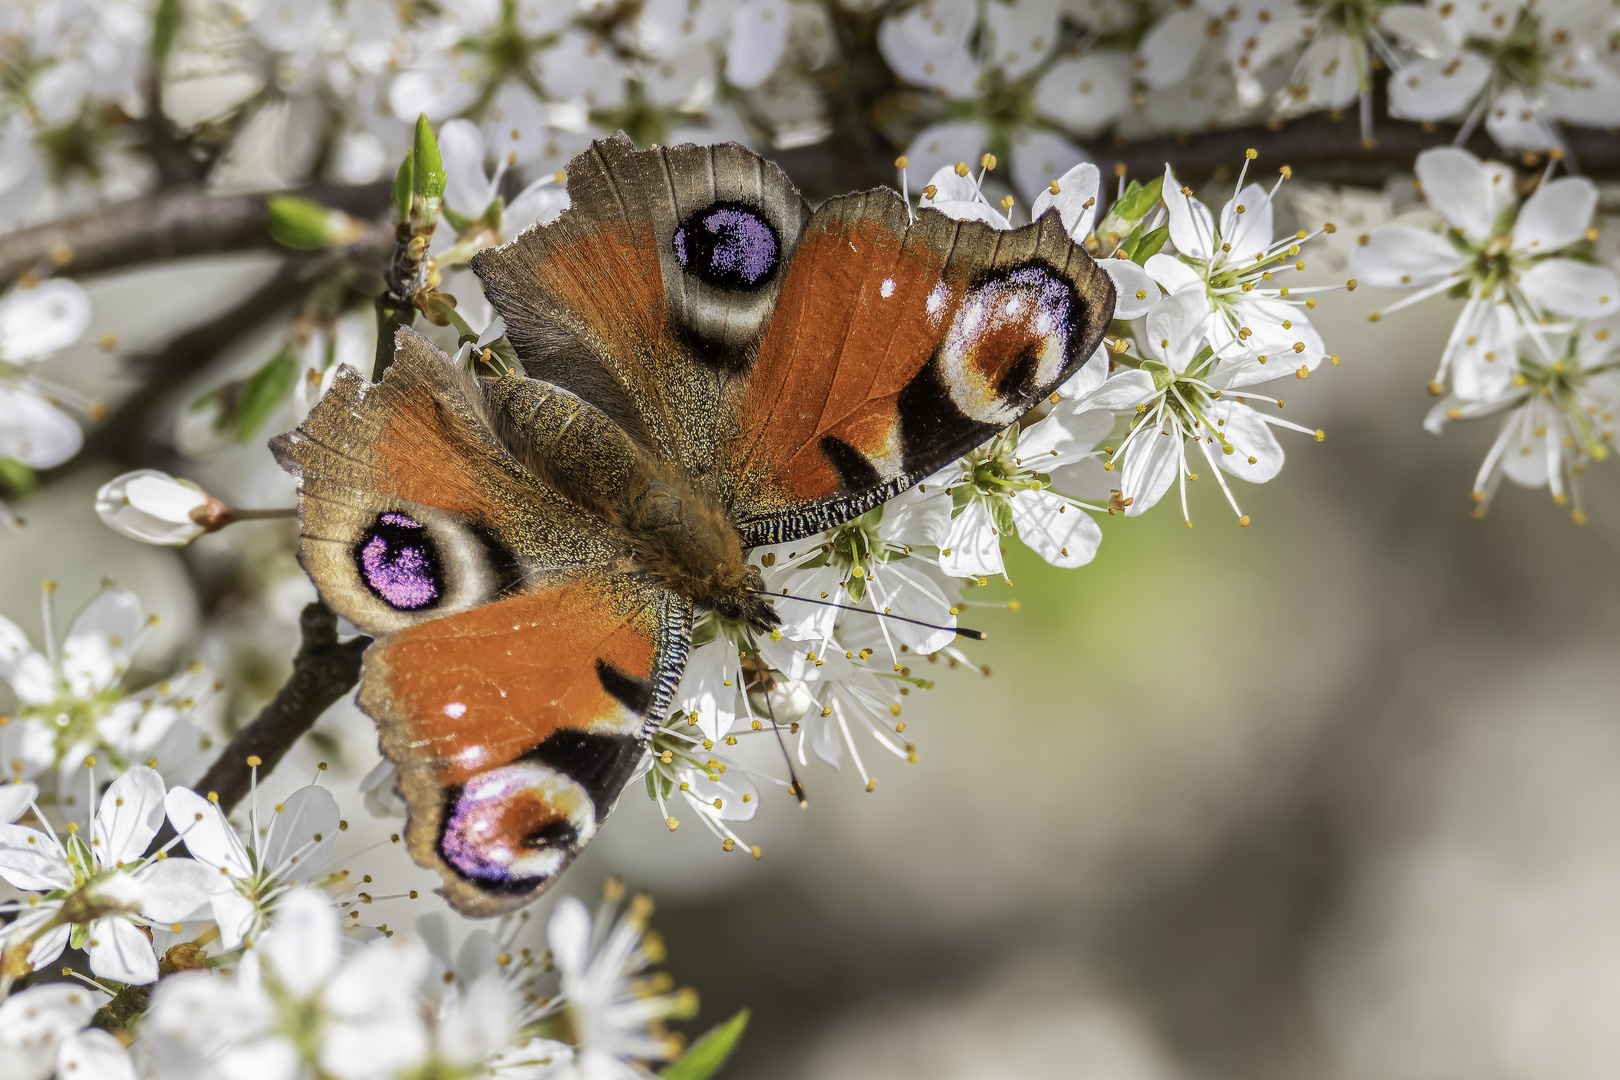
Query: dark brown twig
(324, 670)
(166, 224)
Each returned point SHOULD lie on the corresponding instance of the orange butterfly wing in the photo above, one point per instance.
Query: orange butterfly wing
(515, 726)
(895, 348)
(519, 663)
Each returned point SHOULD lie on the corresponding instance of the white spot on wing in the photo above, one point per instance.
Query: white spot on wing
(887, 288)
(455, 710)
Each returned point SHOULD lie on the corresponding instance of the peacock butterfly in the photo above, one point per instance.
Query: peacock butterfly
(709, 366)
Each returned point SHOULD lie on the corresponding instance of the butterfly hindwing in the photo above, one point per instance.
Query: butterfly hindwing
(515, 725)
(895, 348)
(648, 296)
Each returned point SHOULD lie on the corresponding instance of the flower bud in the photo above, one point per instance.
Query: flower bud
(306, 225)
(155, 508)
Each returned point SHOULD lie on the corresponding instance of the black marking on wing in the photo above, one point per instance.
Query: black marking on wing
(601, 764)
(633, 693)
(855, 472)
(933, 430)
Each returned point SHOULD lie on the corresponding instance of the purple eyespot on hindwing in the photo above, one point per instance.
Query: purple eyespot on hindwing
(398, 562)
(729, 245)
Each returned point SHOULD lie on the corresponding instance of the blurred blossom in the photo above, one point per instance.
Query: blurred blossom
(46, 1030)
(35, 324)
(1520, 68)
(72, 707)
(1557, 411)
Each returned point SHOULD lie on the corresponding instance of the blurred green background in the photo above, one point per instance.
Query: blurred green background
(1331, 796)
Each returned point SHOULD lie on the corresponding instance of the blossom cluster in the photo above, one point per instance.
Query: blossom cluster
(243, 953)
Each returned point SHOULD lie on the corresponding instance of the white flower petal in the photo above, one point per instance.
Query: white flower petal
(759, 32)
(1192, 229)
(1437, 89)
(34, 431)
(1248, 232)
(35, 1022)
(943, 145)
(1088, 94)
(1170, 273)
(1401, 257)
(918, 517)
(1576, 289)
(15, 800)
(27, 671)
(1421, 28)
(1556, 216)
(303, 945)
(467, 187)
(1518, 122)
(1250, 436)
(207, 835)
(1076, 200)
(234, 914)
(1019, 36)
(94, 1053)
(569, 935)
(1091, 375)
(1037, 158)
(176, 890)
(1177, 326)
(1458, 185)
(48, 946)
(119, 951)
(37, 322)
(1125, 389)
(972, 547)
(151, 506)
(1062, 534)
(1150, 468)
(302, 834)
(98, 647)
(1167, 51)
(1134, 289)
(901, 591)
(130, 814)
(541, 203)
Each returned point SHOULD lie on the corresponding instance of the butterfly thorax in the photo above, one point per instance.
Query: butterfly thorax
(674, 528)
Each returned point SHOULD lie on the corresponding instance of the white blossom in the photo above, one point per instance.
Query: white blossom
(35, 324)
(1557, 410)
(99, 894)
(1510, 263)
(71, 704)
(1520, 68)
(152, 507)
(296, 1006)
(45, 1031)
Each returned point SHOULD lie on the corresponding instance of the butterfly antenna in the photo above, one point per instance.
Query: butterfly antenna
(973, 635)
(795, 788)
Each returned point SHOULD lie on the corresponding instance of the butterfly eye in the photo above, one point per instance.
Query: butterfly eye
(1009, 338)
(728, 245)
(421, 562)
(514, 828)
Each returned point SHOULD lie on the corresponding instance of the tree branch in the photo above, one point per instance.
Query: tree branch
(166, 224)
(324, 670)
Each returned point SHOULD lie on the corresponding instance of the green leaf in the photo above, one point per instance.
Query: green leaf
(1134, 205)
(263, 391)
(18, 478)
(301, 224)
(708, 1054)
(165, 25)
(427, 182)
(1150, 244)
(403, 181)
(1127, 246)
(459, 222)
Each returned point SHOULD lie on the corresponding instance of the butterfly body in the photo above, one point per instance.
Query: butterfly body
(708, 367)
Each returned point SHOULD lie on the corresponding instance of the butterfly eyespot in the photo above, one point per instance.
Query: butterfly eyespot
(514, 828)
(728, 245)
(399, 563)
